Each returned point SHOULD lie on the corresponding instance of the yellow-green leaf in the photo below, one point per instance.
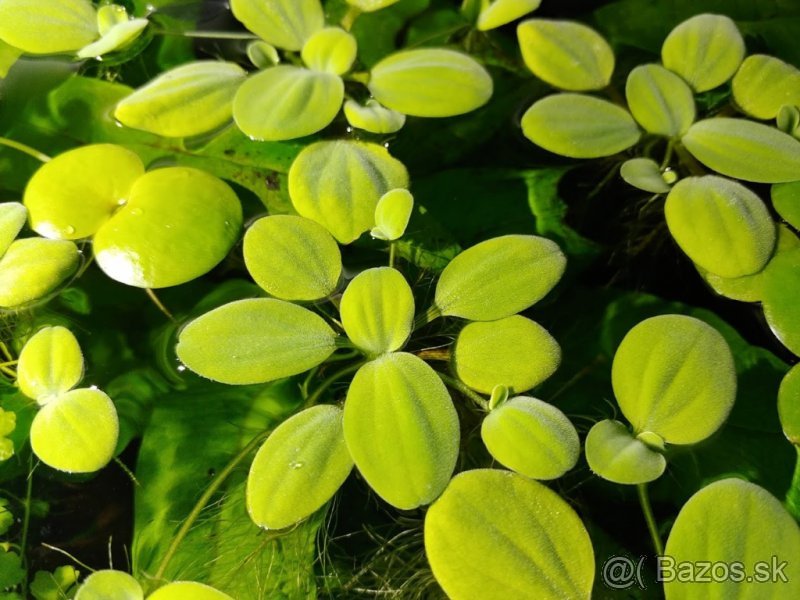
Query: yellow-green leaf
(373, 117)
(781, 291)
(187, 100)
(370, 5)
(286, 24)
(299, 468)
(187, 590)
(502, 12)
(292, 258)
(12, 219)
(119, 36)
(110, 585)
(262, 54)
(614, 454)
(330, 50)
(8, 57)
(47, 26)
(763, 84)
(785, 200)
(392, 214)
(659, 100)
(50, 364)
(430, 82)
(644, 174)
(496, 535)
(705, 50)
(401, 429)
(32, 268)
(789, 405)
(254, 341)
(579, 126)
(499, 277)
(566, 54)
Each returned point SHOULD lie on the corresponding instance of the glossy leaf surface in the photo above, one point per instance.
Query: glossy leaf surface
(12, 219)
(330, 50)
(502, 12)
(644, 174)
(659, 100)
(373, 117)
(614, 454)
(47, 26)
(50, 364)
(781, 291)
(286, 24)
(110, 585)
(392, 214)
(763, 84)
(32, 268)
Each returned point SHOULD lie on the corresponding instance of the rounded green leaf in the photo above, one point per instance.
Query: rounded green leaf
(502, 12)
(370, 5)
(614, 454)
(299, 468)
(785, 200)
(47, 26)
(32, 268)
(705, 50)
(496, 535)
(721, 225)
(392, 214)
(330, 50)
(286, 102)
(401, 429)
(292, 258)
(745, 150)
(566, 54)
(579, 126)
(377, 310)
(430, 82)
(76, 432)
(674, 375)
(185, 101)
(373, 117)
(781, 291)
(789, 405)
(262, 54)
(514, 352)
(763, 84)
(187, 590)
(338, 184)
(110, 585)
(71, 196)
(254, 341)
(50, 364)
(119, 36)
(178, 224)
(734, 522)
(659, 100)
(644, 174)
(531, 437)
(12, 219)
(286, 24)
(499, 277)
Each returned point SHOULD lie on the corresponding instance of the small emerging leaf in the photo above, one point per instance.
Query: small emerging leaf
(373, 117)
(47, 26)
(502, 12)
(659, 100)
(119, 36)
(614, 454)
(781, 291)
(763, 84)
(262, 54)
(50, 364)
(12, 219)
(187, 590)
(286, 24)
(330, 50)
(644, 174)
(789, 405)
(110, 585)
(392, 214)
(32, 268)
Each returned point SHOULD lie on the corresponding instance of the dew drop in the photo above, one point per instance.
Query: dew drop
(136, 211)
(296, 465)
(69, 230)
(181, 368)
(122, 202)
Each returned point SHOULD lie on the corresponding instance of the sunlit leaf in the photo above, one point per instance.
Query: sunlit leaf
(745, 150)
(292, 258)
(430, 82)
(644, 174)
(12, 219)
(331, 50)
(613, 453)
(50, 364)
(187, 590)
(496, 535)
(110, 585)
(763, 533)
(262, 54)
(185, 101)
(789, 405)
(116, 38)
(373, 117)
(377, 310)
(255, 340)
(579, 126)
(499, 277)
(71, 196)
(659, 100)
(514, 352)
(763, 84)
(8, 56)
(721, 225)
(32, 268)
(299, 468)
(531, 437)
(401, 429)
(109, 16)
(76, 432)
(158, 238)
(566, 54)
(371, 5)
(785, 200)
(286, 24)
(338, 184)
(47, 26)
(705, 50)
(673, 375)
(781, 291)
(502, 12)
(392, 214)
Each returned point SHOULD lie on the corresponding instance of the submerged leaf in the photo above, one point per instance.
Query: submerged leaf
(392, 214)
(286, 24)
(659, 100)
(331, 50)
(763, 84)
(47, 26)
(781, 291)
(32, 268)
(644, 174)
(614, 454)
(12, 219)
(373, 117)
(502, 12)
(110, 585)
(50, 364)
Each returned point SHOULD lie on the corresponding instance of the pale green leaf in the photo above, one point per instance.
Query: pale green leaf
(781, 291)
(286, 24)
(721, 225)
(330, 50)
(401, 429)
(644, 174)
(705, 50)
(496, 535)
(71, 196)
(32, 268)
(299, 468)
(373, 117)
(566, 54)
(789, 405)
(430, 82)
(614, 454)
(177, 225)
(109, 16)
(262, 54)
(116, 38)
(287, 102)
(499, 277)
(579, 126)
(531, 437)
(734, 522)
(745, 150)
(254, 341)
(110, 585)
(785, 200)
(187, 590)
(47, 26)
(338, 184)
(12, 219)
(763, 84)
(8, 423)
(514, 352)
(188, 100)
(392, 214)
(76, 432)
(370, 5)
(502, 12)
(674, 375)
(50, 364)
(659, 100)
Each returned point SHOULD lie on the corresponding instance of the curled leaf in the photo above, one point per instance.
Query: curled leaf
(373, 117)
(116, 38)
(614, 454)
(50, 364)
(392, 214)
